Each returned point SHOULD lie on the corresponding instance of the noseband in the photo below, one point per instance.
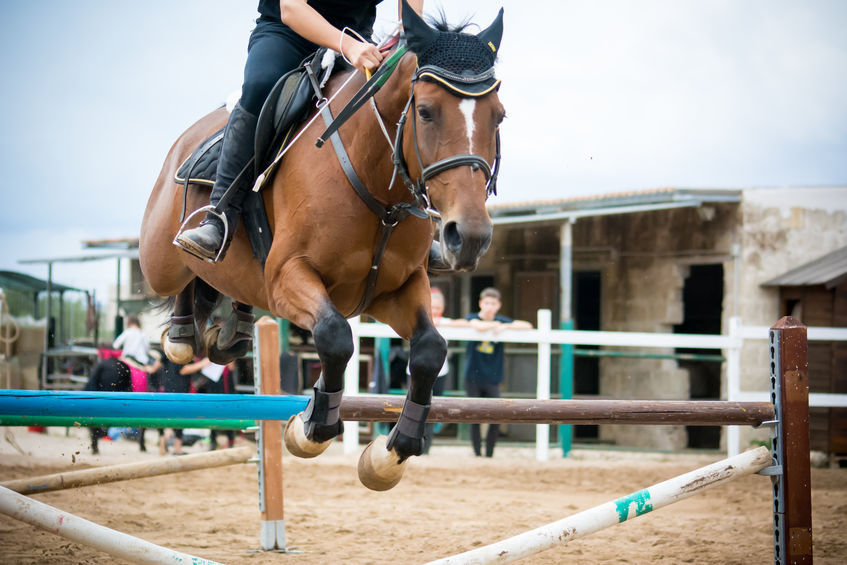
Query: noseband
(418, 188)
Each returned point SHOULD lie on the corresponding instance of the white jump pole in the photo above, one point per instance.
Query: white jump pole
(82, 531)
(542, 431)
(631, 506)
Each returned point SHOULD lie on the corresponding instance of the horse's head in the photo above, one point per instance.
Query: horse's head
(452, 146)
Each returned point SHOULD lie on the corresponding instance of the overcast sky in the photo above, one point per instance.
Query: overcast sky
(601, 96)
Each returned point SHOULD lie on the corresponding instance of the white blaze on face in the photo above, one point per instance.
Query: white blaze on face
(467, 106)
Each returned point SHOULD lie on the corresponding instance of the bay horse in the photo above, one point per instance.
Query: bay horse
(325, 236)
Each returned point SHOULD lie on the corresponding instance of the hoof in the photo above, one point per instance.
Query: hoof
(222, 356)
(298, 444)
(380, 469)
(180, 353)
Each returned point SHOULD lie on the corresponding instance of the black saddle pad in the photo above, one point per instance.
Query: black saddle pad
(202, 166)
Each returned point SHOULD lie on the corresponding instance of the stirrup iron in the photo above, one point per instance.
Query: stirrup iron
(209, 209)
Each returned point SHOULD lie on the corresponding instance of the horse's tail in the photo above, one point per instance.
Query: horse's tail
(164, 304)
(206, 299)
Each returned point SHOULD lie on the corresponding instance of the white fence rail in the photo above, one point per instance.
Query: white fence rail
(545, 337)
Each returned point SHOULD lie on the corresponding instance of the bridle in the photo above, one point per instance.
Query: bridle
(418, 188)
(422, 207)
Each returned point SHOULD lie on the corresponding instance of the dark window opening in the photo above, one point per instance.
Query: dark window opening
(702, 298)
(586, 310)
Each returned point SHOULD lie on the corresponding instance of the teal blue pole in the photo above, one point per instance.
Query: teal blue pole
(566, 387)
(383, 345)
(284, 334)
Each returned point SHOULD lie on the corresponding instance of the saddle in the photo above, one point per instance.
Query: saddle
(286, 107)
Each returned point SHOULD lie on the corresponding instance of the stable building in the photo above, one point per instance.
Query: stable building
(667, 260)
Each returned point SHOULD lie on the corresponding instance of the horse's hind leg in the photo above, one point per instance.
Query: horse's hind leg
(309, 433)
(178, 340)
(232, 339)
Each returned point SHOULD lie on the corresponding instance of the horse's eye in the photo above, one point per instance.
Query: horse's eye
(500, 118)
(425, 114)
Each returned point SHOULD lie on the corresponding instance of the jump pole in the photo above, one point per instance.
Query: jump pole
(625, 508)
(33, 404)
(137, 470)
(80, 530)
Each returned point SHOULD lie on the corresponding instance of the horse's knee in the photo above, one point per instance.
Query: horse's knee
(427, 351)
(333, 341)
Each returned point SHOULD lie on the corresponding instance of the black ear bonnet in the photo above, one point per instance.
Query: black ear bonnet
(461, 62)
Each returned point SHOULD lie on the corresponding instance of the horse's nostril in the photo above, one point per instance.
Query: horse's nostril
(451, 237)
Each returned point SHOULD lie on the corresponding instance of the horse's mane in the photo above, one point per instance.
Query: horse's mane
(440, 23)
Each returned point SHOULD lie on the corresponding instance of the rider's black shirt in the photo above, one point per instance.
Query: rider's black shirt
(355, 14)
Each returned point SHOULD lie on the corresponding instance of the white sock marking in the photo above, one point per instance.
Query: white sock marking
(467, 106)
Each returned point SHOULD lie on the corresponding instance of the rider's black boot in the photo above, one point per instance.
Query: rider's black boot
(207, 239)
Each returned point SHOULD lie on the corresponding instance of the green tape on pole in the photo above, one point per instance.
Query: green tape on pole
(98, 422)
(566, 388)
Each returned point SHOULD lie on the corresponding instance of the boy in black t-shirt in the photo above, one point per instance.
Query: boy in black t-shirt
(484, 363)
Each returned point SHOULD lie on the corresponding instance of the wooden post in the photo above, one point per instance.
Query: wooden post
(267, 381)
(542, 392)
(789, 376)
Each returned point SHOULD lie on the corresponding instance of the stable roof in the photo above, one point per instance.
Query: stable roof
(571, 209)
(11, 280)
(829, 270)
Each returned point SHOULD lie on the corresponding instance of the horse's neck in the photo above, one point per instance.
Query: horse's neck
(369, 148)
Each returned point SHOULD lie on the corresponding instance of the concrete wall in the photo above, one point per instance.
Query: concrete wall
(644, 259)
(781, 229)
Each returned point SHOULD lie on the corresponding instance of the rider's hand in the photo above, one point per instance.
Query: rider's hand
(362, 55)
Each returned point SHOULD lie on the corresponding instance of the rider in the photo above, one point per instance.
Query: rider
(285, 33)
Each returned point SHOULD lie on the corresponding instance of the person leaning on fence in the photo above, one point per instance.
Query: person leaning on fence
(484, 360)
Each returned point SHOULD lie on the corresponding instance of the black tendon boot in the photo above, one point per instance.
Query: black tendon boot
(207, 240)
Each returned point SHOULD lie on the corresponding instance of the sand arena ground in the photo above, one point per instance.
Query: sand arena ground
(447, 502)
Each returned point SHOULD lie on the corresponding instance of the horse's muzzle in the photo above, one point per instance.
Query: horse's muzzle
(463, 243)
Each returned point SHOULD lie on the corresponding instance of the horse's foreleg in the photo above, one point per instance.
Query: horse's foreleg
(381, 465)
(298, 293)
(427, 351)
(309, 433)
(179, 340)
(233, 338)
